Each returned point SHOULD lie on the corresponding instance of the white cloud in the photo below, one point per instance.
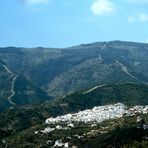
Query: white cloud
(143, 17)
(36, 1)
(102, 7)
(146, 41)
(131, 19)
(140, 17)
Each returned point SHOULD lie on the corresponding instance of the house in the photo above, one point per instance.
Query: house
(145, 126)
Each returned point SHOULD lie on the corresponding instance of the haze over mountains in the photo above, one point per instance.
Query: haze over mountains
(27, 75)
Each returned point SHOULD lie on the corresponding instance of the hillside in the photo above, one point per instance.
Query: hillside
(63, 71)
(103, 126)
(19, 122)
(40, 83)
(129, 94)
(16, 90)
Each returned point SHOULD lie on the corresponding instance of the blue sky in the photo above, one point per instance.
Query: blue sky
(63, 23)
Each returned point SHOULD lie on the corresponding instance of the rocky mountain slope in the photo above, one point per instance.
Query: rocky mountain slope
(16, 90)
(63, 71)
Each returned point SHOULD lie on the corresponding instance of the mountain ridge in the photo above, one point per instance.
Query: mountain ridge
(62, 71)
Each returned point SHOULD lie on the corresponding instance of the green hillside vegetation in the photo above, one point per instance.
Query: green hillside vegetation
(27, 93)
(115, 133)
(19, 118)
(129, 94)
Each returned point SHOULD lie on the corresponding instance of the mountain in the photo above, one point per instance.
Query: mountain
(37, 84)
(16, 90)
(107, 62)
(63, 71)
